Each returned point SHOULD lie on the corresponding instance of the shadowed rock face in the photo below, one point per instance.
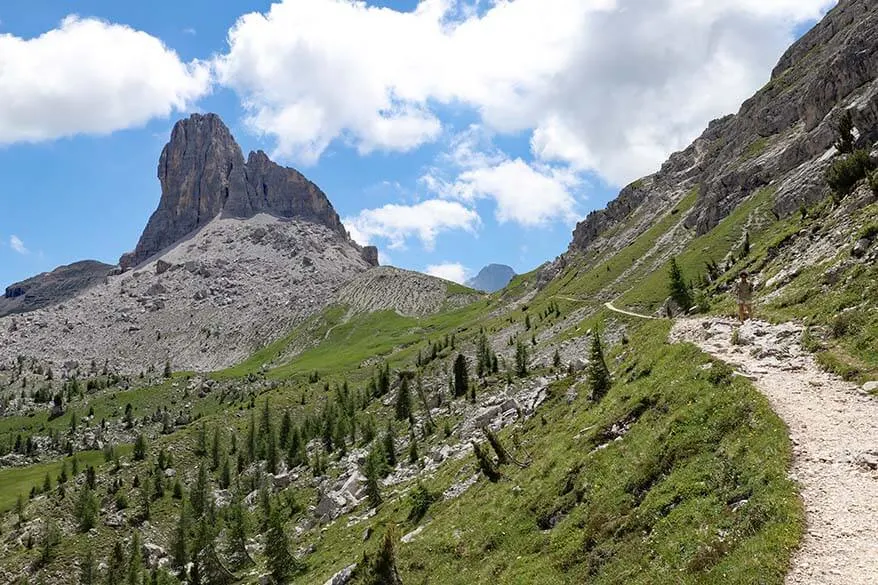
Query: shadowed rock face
(203, 174)
(53, 287)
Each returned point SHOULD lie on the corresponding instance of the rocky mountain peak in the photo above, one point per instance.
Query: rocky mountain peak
(203, 175)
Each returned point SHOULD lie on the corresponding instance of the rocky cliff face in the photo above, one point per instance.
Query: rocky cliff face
(203, 175)
(53, 287)
(782, 137)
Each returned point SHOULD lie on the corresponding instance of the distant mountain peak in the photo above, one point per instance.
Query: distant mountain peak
(492, 278)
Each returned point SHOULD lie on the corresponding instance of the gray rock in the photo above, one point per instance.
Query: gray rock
(860, 248)
(870, 387)
(342, 577)
(203, 175)
(50, 288)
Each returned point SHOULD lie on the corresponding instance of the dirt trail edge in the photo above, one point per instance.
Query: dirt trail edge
(834, 430)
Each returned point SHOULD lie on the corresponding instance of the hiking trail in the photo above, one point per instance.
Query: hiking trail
(833, 427)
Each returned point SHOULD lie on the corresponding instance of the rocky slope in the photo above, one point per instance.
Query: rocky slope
(206, 303)
(235, 255)
(405, 292)
(492, 278)
(53, 287)
(781, 138)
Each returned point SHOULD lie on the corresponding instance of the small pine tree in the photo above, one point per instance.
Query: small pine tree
(403, 409)
(520, 359)
(215, 450)
(117, 564)
(556, 359)
(372, 471)
(140, 448)
(237, 537)
(88, 570)
(677, 287)
(180, 540)
(389, 446)
(199, 492)
(845, 142)
(135, 560)
(281, 563)
(461, 376)
(168, 372)
(86, 509)
(413, 449)
(225, 479)
(598, 373)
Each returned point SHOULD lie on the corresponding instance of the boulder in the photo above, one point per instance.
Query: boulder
(342, 577)
(162, 266)
(860, 248)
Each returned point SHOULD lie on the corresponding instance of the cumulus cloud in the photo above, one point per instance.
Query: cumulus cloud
(453, 271)
(90, 76)
(523, 193)
(424, 220)
(16, 244)
(611, 86)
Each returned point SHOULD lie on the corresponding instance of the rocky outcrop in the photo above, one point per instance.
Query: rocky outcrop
(203, 175)
(783, 137)
(492, 278)
(50, 288)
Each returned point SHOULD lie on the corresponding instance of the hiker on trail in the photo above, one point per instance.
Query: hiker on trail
(744, 294)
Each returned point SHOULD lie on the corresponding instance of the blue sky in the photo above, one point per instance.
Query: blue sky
(451, 134)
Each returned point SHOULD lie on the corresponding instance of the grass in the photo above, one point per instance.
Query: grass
(15, 481)
(695, 492)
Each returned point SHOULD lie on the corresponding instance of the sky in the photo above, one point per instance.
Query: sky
(450, 133)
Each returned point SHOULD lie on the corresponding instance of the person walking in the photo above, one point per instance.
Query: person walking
(744, 294)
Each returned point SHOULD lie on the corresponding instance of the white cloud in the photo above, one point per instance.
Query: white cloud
(453, 271)
(190, 31)
(424, 220)
(607, 85)
(90, 76)
(16, 244)
(524, 193)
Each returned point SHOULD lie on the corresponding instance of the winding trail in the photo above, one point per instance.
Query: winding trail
(834, 431)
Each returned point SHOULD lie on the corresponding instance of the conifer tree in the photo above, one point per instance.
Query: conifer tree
(520, 359)
(461, 376)
(86, 509)
(271, 457)
(403, 400)
(389, 446)
(225, 478)
(281, 563)
(297, 455)
(180, 541)
(199, 492)
(845, 142)
(251, 438)
(135, 560)
(677, 287)
(286, 427)
(598, 373)
(372, 473)
(413, 448)
(215, 450)
(116, 565)
(237, 536)
(140, 448)
(88, 570)
(556, 359)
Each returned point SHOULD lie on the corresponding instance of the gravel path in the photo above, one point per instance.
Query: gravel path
(834, 430)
